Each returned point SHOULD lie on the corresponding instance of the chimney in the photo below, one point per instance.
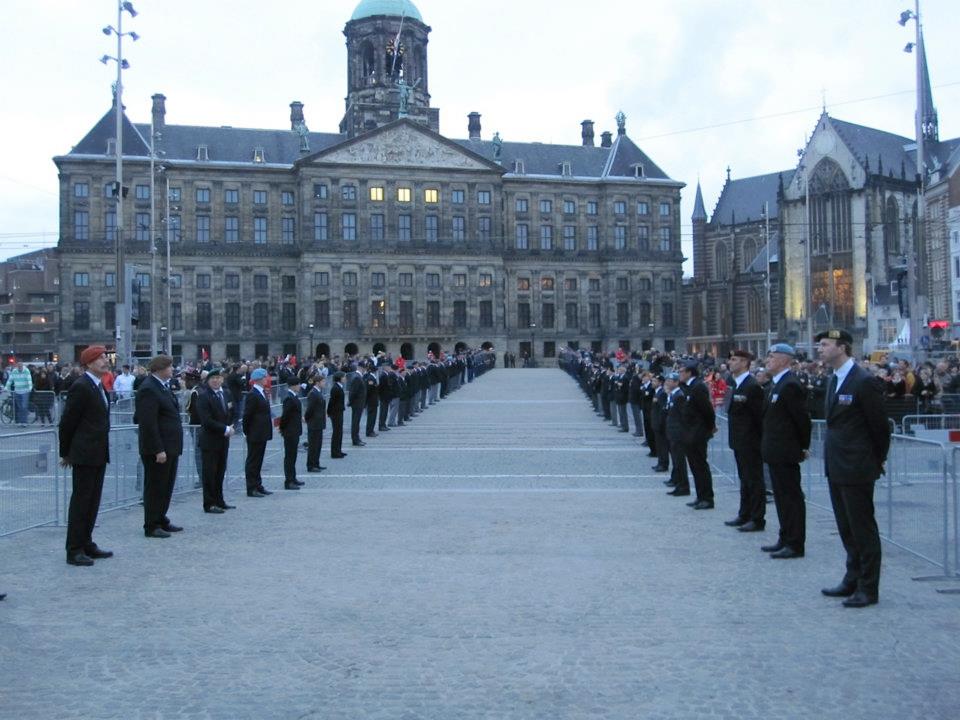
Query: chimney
(296, 114)
(606, 139)
(473, 127)
(159, 112)
(587, 132)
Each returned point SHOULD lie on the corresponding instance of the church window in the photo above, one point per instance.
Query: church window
(891, 227)
(376, 193)
(431, 195)
(403, 194)
(749, 253)
(720, 265)
(348, 192)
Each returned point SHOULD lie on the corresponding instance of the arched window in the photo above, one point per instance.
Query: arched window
(368, 60)
(749, 253)
(720, 261)
(696, 317)
(831, 228)
(891, 227)
(754, 312)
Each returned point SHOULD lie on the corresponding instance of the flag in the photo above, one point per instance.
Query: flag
(204, 355)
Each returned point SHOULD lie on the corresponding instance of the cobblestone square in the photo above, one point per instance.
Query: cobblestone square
(505, 555)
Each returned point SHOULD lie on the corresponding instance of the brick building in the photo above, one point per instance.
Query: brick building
(29, 306)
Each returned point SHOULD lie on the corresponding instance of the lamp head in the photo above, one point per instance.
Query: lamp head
(105, 59)
(124, 64)
(107, 30)
(134, 36)
(908, 48)
(904, 17)
(128, 6)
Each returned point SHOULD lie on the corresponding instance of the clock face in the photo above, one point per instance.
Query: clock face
(825, 143)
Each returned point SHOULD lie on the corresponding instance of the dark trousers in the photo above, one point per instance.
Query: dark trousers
(791, 507)
(214, 464)
(372, 418)
(404, 414)
(158, 482)
(384, 407)
(635, 408)
(753, 495)
(661, 447)
(355, 412)
(291, 443)
(622, 413)
(314, 446)
(648, 427)
(606, 408)
(696, 453)
(853, 510)
(336, 435)
(253, 464)
(678, 474)
(84, 506)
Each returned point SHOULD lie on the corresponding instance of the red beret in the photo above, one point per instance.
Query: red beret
(91, 354)
(746, 354)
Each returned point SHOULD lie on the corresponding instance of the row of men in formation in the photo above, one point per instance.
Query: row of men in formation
(767, 425)
(391, 392)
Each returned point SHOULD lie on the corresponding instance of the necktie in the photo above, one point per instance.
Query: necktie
(220, 398)
(832, 392)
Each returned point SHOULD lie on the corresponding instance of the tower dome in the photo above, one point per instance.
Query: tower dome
(396, 8)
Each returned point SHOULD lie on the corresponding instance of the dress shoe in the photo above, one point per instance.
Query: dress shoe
(704, 505)
(841, 590)
(399, 424)
(660, 468)
(788, 553)
(736, 522)
(227, 507)
(157, 533)
(98, 554)
(301, 483)
(691, 504)
(651, 454)
(670, 483)
(359, 443)
(776, 547)
(373, 434)
(3, 596)
(338, 457)
(291, 486)
(752, 526)
(171, 528)
(255, 493)
(677, 492)
(644, 443)
(313, 469)
(263, 490)
(860, 599)
(214, 510)
(79, 558)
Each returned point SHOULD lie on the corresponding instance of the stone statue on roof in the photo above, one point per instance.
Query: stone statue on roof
(301, 129)
(497, 146)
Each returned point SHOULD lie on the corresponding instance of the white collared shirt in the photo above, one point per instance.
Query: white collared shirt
(740, 378)
(779, 375)
(842, 372)
(259, 388)
(96, 380)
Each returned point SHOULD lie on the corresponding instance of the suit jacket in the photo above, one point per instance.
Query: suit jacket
(858, 431)
(158, 415)
(658, 409)
(291, 422)
(85, 425)
(335, 406)
(745, 415)
(257, 424)
(372, 389)
(214, 419)
(356, 390)
(316, 413)
(786, 421)
(674, 421)
(636, 390)
(699, 419)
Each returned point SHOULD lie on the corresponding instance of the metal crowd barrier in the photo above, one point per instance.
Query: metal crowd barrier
(29, 480)
(912, 424)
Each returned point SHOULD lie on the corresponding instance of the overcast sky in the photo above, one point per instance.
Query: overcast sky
(704, 84)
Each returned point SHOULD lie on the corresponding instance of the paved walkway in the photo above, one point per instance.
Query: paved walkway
(507, 555)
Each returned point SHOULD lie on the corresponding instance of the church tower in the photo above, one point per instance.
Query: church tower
(699, 221)
(387, 67)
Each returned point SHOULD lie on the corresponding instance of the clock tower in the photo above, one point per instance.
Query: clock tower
(386, 67)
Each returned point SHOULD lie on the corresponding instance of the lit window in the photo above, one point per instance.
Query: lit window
(431, 196)
(376, 194)
(403, 194)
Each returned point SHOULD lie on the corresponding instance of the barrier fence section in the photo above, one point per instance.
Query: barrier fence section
(29, 480)
(42, 409)
(916, 500)
(918, 424)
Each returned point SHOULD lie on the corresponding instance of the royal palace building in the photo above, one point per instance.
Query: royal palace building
(384, 234)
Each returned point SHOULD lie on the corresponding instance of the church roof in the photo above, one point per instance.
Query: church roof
(762, 261)
(877, 146)
(699, 211)
(743, 200)
(397, 8)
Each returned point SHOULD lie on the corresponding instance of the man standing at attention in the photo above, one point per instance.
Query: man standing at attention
(316, 417)
(161, 443)
(291, 428)
(699, 425)
(84, 445)
(335, 413)
(258, 431)
(216, 429)
(854, 451)
(785, 443)
(745, 428)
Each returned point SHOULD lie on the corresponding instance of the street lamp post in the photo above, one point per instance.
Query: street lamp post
(310, 350)
(533, 329)
(122, 311)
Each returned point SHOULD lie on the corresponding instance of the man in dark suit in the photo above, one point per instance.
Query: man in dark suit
(373, 398)
(161, 444)
(291, 428)
(85, 446)
(636, 401)
(854, 450)
(316, 417)
(649, 391)
(357, 399)
(386, 392)
(335, 408)
(744, 406)
(258, 431)
(676, 400)
(784, 444)
(658, 425)
(700, 424)
(216, 428)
